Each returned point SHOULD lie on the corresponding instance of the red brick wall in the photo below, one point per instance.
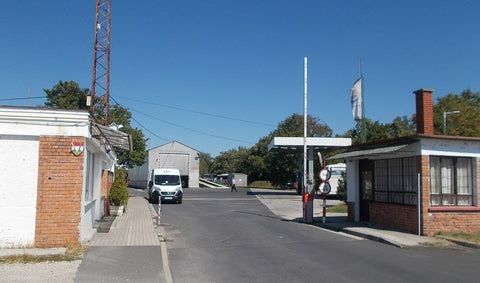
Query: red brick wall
(424, 111)
(59, 193)
(393, 216)
(454, 222)
(449, 219)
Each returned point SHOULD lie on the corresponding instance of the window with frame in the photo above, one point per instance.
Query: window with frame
(451, 181)
(396, 181)
(90, 176)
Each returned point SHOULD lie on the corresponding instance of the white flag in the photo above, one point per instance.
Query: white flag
(356, 99)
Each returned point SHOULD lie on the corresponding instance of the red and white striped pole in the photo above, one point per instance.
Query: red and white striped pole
(159, 210)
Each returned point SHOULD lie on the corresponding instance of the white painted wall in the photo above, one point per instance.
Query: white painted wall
(458, 148)
(20, 129)
(92, 209)
(18, 190)
(43, 122)
(353, 183)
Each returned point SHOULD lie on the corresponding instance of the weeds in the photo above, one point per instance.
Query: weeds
(73, 252)
(471, 237)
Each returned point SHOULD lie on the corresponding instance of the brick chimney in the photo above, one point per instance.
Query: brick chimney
(424, 105)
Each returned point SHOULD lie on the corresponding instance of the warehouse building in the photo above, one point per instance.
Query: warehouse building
(170, 155)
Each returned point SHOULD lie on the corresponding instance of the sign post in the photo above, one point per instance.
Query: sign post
(325, 188)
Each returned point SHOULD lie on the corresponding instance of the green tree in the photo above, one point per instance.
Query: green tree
(376, 131)
(464, 123)
(206, 163)
(342, 187)
(69, 95)
(66, 95)
(138, 155)
(260, 164)
(402, 127)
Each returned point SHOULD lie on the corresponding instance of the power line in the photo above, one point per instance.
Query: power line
(190, 129)
(198, 112)
(151, 132)
(22, 98)
(175, 125)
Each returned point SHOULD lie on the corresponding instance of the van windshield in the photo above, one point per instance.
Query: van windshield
(169, 180)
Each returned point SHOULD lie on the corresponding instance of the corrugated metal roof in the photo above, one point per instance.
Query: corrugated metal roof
(369, 152)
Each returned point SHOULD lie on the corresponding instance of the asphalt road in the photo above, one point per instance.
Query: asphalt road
(222, 236)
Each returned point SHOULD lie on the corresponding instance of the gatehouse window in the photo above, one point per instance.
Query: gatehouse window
(396, 181)
(451, 181)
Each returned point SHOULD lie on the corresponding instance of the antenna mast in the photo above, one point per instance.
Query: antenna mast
(100, 91)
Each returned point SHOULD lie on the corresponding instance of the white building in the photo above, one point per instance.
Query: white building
(56, 169)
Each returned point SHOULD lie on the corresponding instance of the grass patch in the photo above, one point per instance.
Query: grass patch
(471, 237)
(74, 252)
(341, 208)
(262, 185)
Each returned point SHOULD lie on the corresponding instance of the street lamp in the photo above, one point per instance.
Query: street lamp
(445, 119)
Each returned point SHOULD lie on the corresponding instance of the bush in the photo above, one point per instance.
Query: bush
(118, 194)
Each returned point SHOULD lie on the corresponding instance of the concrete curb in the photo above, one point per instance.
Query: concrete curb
(33, 252)
(361, 235)
(461, 242)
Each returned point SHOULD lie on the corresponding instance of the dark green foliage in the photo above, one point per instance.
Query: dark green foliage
(259, 164)
(342, 187)
(137, 156)
(464, 123)
(118, 194)
(68, 95)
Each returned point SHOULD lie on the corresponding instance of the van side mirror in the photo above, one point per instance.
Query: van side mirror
(150, 184)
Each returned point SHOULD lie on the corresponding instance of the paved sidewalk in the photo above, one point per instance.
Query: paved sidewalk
(133, 228)
(132, 250)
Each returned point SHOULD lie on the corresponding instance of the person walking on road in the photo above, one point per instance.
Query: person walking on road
(233, 185)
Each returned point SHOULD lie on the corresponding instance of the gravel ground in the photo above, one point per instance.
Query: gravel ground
(62, 271)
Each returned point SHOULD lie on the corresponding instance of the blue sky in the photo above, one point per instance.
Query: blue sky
(216, 75)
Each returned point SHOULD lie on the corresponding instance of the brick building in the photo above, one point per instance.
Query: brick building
(55, 172)
(386, 178)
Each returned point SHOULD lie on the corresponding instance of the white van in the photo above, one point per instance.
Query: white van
(165, 185)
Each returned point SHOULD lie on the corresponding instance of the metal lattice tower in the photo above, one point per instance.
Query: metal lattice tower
(100, 91)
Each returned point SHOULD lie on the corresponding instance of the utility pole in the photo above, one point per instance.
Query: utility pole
(100, 91)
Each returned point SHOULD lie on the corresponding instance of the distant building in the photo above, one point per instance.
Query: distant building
(170, 155)
(241, 179)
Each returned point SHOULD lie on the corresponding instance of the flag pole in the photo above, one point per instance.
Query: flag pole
(364, 126)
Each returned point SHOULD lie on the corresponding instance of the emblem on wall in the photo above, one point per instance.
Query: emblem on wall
(77, 148)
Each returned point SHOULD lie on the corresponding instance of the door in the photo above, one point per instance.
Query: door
(366, 188)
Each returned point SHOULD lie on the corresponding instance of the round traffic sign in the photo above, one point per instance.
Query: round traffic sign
(325, 174)
(325, 187)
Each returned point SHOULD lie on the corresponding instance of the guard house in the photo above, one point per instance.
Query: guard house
(57, 168)
(421, 184)
(296, 145)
